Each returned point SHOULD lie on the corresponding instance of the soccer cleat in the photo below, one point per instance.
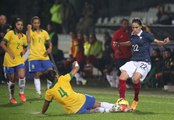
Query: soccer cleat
(13, 101)
(22, 97)
(133, 105)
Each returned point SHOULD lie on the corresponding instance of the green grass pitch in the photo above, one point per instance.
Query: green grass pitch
(154, 104)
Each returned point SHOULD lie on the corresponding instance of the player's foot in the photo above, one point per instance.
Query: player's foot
(84, 82)
(133, 105)
(22, 97)
(13, 101)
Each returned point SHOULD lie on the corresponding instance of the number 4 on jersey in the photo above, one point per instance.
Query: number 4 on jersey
(62, 92)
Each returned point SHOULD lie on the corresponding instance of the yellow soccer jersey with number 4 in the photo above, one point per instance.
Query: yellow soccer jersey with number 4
(63, 93)
(37, 45)
(15, 46)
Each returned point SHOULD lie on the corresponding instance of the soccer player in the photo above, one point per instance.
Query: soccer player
(14, 44)
(72, 102)
(140, 64)
(38, 56)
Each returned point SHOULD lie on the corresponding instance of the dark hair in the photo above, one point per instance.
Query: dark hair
(137, 20)
(50, 75)
(15, 21)
(124, 19)
(34, 18)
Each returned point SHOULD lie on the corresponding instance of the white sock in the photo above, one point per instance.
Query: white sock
(37, 85)
(101, 110)
(49, 84)
(11, 86)
(106, 105)
(22, 85)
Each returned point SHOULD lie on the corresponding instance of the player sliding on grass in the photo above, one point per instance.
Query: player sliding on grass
(140, 63)
(14, 44)
(72, 102)
(38, 56)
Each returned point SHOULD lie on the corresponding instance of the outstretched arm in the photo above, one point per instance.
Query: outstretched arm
(75, 69)
(117, 44)
(45, 106)
(161, 43)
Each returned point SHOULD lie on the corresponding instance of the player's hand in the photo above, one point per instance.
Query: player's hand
(166, 40)
(11, 55)
(116, 44)
(22, 53)
(29, 27)
(75, 64)
(49, 50)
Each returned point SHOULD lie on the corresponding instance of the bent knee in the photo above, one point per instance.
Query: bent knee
(136, 78)
(123, 76)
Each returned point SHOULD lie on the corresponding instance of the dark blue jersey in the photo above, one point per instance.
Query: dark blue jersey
(141, 46)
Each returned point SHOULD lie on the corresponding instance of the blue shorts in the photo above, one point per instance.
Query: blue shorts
(12, 70)
(39, 65)
(88, 105)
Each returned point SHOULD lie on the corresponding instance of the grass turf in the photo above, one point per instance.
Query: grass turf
(154, 104)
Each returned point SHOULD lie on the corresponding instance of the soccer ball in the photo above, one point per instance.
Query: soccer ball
(122, 101)
(122, 104)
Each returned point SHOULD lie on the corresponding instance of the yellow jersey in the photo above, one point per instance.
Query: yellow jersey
(15, 46)
(63, 93)
(37, 45)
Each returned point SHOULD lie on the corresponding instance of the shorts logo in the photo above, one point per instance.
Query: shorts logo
(32, 66)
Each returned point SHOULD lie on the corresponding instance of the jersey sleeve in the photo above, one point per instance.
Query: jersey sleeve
(150, 37)
(67, 77)
(47, 37)
(48, 96)
(7, 36)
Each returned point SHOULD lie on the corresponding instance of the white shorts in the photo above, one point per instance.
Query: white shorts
(132, 67)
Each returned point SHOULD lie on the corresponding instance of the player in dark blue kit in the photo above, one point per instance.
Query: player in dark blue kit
(140, 64)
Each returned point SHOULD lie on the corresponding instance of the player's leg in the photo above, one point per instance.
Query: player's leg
(140, 74)
(37, 83)
(11, 84)
(49, 83)
(136, 81)
(46, 66)
(35, 68)
(127, 71)
(22, 81)
(122, 83)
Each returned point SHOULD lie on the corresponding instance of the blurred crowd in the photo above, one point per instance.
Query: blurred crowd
(164, 15)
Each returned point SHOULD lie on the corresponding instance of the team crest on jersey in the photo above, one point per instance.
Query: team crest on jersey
(32, 66)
